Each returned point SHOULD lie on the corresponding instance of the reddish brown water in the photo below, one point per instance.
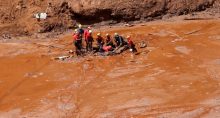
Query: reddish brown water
(178, 75)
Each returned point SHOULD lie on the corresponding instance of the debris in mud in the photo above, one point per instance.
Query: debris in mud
(143, 44)
(34, 75)
(62, 58)
(6, 36)
(183, 49)
(41, 16)
(129, 25)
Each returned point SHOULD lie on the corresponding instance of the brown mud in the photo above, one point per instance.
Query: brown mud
(177, 75)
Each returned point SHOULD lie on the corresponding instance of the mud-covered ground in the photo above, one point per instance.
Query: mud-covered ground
(177, 75)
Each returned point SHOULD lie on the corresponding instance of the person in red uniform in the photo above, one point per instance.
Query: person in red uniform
(89, 40)
(109, 45)
(100, 42)
(88, 34)
(77, 43)
(131, 44)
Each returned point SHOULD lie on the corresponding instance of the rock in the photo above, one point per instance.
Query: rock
(143, 44)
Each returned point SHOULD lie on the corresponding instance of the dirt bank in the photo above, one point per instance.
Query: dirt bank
(17, 15)
(176, 76)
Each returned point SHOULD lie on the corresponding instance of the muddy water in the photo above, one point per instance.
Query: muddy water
(177, 75)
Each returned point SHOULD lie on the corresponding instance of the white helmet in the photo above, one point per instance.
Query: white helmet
(90, 31)
(116, 34)
(99, 34)
(80, 26)
(75, 30)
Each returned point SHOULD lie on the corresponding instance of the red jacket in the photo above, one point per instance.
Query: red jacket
(89, 37)
(86, 34)
(130, 42)
(76, 37)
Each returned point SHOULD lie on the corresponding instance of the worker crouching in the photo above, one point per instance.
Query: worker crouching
(131, 44)
(100, 42)
(121, 45)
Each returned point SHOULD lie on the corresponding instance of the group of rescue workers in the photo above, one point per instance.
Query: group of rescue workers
(103, 44)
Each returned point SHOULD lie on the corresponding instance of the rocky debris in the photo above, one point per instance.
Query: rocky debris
(142, 44)
(61, 58)
(6, 36)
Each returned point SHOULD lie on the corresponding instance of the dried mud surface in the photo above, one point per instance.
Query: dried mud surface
(177, 75)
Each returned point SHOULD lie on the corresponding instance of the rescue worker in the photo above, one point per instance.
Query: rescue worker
(81, 32)
(77, 43)
(119, 40)
(89, 40)
(86, 35)
(109, 45)
(121, 44)
(86, 31)
(109, 41)
(100, 42)
(131, 44)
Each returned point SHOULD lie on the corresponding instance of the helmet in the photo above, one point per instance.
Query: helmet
(99, 34)
(76, 31)
(116, 34)
(128, 36)
(80, 26)
(90, 31)
(89, 27)
(107, 34)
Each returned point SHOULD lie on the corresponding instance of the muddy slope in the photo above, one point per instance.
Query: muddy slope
(64, 15)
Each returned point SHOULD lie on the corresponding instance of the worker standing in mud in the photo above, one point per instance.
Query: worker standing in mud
(89, 40)
(88, 34)
(131, 44)
(81, 33)
(100, 42)
(77, 43)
